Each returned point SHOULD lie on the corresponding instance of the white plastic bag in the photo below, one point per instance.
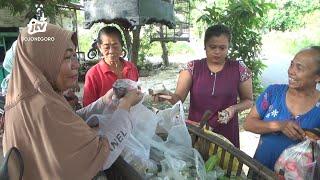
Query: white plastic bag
(180, 160)
(172, 120)
(143, 131)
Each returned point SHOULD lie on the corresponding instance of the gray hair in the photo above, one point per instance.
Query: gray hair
(317, 57)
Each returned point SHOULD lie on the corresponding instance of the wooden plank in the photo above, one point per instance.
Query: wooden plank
(230, 165)
(222, 157)
(241, 156)
(239, 170)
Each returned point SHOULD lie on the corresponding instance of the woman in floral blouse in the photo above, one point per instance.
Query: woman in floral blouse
(215, 83)
(283, 110)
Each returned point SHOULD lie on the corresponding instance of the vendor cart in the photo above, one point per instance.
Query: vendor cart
(121, 170)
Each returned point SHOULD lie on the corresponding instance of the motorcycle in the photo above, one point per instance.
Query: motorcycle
(93, 51)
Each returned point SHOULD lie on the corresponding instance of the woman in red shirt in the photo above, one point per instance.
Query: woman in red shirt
(100, 78)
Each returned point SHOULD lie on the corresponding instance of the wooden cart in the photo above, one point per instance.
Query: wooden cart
(256, 169)
(121, 170)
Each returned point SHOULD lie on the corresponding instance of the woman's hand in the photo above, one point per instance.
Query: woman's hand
(77, 88)
(231, 111)
(93, 122)
(160, 96)
(108, 96)
(226, 115)
(292, 130)
(130, 99)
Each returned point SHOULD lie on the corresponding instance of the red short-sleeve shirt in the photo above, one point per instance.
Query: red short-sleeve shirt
(99, 79)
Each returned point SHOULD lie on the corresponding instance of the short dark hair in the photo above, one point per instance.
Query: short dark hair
(110, 30)
(217, 30)
(74, 39)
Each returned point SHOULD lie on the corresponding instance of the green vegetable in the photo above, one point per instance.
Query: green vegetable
(223, 178)
(211, 163)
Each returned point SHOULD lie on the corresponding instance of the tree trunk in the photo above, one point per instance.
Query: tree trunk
(164, 56)
(135, 44)
(127, 38)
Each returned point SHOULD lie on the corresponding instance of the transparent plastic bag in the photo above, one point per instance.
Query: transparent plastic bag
(181, 163)
(137, 149)
(172, 122)
(137, 156)
(216, 173)
(144, 129)
(178, 159)
(300, 161)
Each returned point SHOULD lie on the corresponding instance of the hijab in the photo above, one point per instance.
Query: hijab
(54, 142)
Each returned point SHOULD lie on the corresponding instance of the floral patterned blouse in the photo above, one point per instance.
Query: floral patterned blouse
(271, 105)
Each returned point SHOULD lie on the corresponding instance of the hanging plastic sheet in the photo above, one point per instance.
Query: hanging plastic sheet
(129, 13)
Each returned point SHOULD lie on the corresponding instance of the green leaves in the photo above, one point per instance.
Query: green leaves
(290, 15)
(20, 6)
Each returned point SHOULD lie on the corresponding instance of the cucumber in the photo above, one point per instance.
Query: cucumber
(211, 163)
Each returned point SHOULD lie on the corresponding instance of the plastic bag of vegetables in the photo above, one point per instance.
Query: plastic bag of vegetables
(301, 161)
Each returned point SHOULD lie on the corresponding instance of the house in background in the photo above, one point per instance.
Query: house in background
(9, 31)
(10, 25)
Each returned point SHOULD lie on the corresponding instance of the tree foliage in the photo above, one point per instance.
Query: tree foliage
(245, 18)
(20, 6)
(290, 14)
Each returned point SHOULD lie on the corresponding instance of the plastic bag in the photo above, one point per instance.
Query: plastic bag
(178, 159)
(172, 122)
(181, 163)
(122, 86)
(144, 129)
(300, 161)
(235, 163)
(137, 148)
(216, 173)
(173, 158)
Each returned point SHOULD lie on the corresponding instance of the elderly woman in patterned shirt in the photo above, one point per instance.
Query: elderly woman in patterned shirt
(283, 110)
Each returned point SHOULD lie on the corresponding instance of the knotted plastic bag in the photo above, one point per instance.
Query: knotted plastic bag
(300, 162)
(122, 86)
